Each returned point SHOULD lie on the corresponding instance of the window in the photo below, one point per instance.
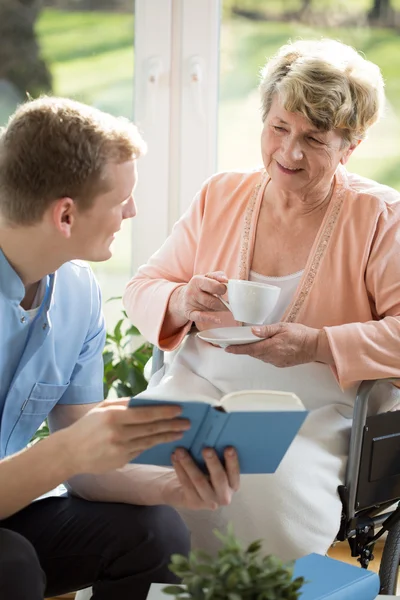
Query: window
(195, 94)
(79, 49)
(252, 30)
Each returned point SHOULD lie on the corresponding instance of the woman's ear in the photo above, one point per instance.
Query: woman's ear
(63, 215)
(349, 151)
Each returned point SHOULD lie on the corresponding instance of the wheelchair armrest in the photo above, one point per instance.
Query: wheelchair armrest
(356, 438)
(157, 360)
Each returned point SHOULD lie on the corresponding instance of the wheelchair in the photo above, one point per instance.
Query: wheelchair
(371, 493)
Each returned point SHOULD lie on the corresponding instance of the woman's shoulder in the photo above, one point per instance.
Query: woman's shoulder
(232, 180)
(361, 189)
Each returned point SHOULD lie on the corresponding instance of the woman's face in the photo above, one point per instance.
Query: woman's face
(298, 157)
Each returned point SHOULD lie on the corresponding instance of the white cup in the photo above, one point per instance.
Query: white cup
(251, 302)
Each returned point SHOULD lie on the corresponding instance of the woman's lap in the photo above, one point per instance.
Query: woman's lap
(295, 510)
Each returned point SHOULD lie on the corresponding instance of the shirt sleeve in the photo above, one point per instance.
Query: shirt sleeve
(86, 384)
(371, 350)
(147, 294)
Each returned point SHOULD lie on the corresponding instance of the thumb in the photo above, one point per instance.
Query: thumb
(265, 331)
(115, 402)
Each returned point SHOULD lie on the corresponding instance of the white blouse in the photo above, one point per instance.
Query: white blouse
(288, 285)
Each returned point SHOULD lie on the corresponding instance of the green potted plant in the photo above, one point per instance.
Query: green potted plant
(124, 365)
(236, 574)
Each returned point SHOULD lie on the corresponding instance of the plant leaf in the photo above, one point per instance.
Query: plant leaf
(108, 357)
(179, 560)
(123, 390)
(117, 331)
(132, 331)
(174, 590)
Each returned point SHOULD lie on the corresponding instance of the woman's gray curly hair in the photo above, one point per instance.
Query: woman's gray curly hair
(329, 83)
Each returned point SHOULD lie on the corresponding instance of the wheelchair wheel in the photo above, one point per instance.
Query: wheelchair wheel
(389, 569)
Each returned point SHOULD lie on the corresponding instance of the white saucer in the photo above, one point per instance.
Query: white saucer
(228, 336)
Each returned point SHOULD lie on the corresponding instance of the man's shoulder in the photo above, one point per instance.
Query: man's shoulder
(80, 264)
(76, 280)
(77, 271)
(77, 267)
(76, 295)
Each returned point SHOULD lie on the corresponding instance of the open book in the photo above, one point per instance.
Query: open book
(261, 425)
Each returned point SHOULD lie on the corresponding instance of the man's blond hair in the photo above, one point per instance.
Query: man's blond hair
(328, 82)
(54, 148)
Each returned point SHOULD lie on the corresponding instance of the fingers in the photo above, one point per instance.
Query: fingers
(211, 286)
(232, 468)
(218, 477)
(203, 307)
(115, 402)
(144, 414)
(123, 428)
(207, 492)
(201, 296)
(217, 490)
(267, 331)
(211, 301)
(135, 447)
(139, 445)
(218, 276)
(192, 497)
(262, 331)
(224, 479)
(257, 349)
(194, 480)
(268, 353)
(200, 316)
(132, 432)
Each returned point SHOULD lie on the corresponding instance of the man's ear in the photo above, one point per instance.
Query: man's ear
(63, 215)
(349, 152)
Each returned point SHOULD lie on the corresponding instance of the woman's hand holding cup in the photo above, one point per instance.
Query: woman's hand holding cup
(198, 301)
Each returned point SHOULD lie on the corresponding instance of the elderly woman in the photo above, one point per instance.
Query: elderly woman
(331, 241)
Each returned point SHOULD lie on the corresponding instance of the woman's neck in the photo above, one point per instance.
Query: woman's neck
(297, 204)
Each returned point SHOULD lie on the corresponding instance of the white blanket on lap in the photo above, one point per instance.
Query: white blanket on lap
(296, 510)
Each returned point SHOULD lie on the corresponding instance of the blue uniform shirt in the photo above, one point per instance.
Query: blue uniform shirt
(56, 358)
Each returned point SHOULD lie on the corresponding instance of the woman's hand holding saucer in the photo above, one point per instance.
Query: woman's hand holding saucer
(287, 345)
(197, 300)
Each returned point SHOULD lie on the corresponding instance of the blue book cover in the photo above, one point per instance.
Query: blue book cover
(330, 579)
(260, 425)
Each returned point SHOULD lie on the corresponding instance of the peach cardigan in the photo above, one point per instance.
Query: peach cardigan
(350, 285)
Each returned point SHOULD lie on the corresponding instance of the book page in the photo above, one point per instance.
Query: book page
(261, 400)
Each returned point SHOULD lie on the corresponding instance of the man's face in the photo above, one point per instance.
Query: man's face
(94, 229)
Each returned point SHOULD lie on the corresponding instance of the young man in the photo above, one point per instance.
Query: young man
(67, 175)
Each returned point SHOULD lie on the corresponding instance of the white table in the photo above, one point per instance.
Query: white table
(156, 594)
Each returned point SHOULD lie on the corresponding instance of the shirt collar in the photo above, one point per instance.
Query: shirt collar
(11, 285)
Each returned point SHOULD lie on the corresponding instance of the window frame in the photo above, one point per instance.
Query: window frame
(176, 110)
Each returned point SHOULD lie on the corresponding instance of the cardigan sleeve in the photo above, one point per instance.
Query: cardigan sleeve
(371, 350)
(147, 294)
